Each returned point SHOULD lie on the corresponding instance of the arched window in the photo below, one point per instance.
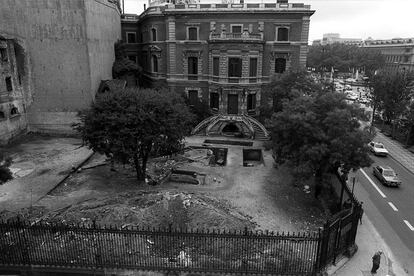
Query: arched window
(280, 65)
(14, 111)
(154, 64)
(154, 34)
(282, 34)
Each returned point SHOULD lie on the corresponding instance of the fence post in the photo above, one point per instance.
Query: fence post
(318, 252)
(323, 248)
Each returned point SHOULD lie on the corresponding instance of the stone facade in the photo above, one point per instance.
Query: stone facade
(399, 53)
(15, 88)
(224, 51)
(71, 49)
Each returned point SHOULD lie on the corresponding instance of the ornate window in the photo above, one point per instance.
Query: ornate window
(214, 100)
(3, 54)
(131, 37)
(216, 66)
(14, 111)
(251, 102)
(192, 68)
(154, 63)
(280, 65)
(253, 69)
(192, 33)
(280, 62)
(236, 28)
(192, 97)
(235, 69)
(9, 84)
(154, 34)
(282, 33)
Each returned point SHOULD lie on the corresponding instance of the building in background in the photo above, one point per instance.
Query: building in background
(398, 52)
(331, 38)
(15, 88)
(63, 49)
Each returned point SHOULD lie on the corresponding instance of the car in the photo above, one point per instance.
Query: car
(386, 175)
(351, 96)
(378, 149)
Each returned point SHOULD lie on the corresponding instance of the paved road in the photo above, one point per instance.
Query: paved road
(390, 209)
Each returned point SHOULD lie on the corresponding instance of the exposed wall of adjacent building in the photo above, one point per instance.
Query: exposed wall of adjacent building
(71, 48)
(14, 82)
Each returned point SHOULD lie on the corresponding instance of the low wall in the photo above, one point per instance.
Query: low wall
(52, 122)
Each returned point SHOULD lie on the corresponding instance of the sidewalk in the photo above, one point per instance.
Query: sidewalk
(368, 239)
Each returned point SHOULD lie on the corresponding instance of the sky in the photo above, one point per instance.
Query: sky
(379, 19)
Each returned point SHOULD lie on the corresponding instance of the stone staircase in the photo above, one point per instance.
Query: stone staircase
(201, 128)
(260, 132)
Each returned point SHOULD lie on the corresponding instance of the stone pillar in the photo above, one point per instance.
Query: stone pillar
(172, 48)
(304, 41)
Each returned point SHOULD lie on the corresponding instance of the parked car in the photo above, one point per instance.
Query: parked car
(386, 175)
(378, 149)
(351, 96)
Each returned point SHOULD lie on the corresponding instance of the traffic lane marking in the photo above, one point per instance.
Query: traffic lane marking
(409, 225)
(393, 206)
(373, 184)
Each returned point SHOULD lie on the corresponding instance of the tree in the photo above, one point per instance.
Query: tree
(286, 87)
(200, 109)
(319, 133)
(131, 125)
(5, 173)
(409, 123)
(391, 94)
(344, 57)
(123, 66)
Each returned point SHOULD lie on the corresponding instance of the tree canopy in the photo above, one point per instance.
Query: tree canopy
(344, 57)
(392, 94)
(286, 87)
(320, 132)
(5, 173)
(132, 124)
(123, 65)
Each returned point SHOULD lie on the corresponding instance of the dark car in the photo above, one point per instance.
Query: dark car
(387, 176)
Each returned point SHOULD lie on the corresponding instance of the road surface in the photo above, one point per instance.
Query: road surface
(391, 210)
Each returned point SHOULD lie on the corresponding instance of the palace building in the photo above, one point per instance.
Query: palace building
(222, 54)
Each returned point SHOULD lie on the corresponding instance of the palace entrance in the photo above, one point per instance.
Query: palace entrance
(232, 104)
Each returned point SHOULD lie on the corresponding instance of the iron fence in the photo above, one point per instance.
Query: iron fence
(155, 249)
(260, 252)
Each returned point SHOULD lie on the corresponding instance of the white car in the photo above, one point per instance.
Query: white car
(351, 96)
(378, 149)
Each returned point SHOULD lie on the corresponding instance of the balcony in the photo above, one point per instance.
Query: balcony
(235, 36)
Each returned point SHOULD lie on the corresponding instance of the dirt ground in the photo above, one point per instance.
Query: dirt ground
(228, 197)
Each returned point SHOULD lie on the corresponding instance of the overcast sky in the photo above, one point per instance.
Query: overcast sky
(379, 19)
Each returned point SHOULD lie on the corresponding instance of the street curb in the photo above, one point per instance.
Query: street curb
(68, 175)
